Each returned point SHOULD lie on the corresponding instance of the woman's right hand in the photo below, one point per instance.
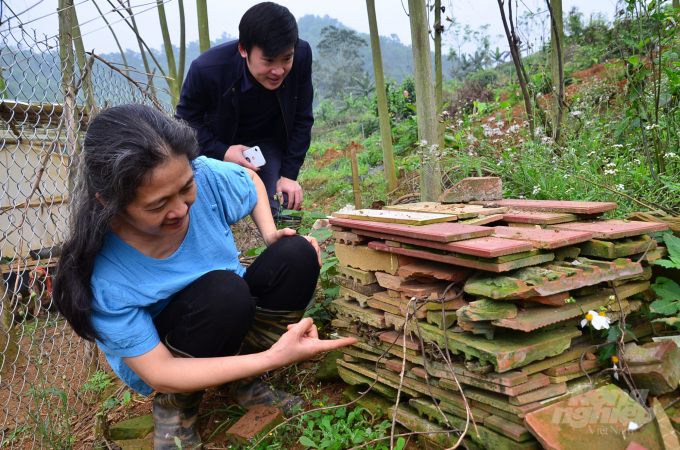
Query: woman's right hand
(301, 342)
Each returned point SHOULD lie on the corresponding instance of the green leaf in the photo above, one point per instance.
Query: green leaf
(401, 443)
(607, 352)
(663, 306)
(331, 292)
(673, 246)
(317, 215)
(673, 321)
(321, 234)
(665, 263)
(255, 251)
(327, 266)
(178, 442)
(307, 442)
(291, 212)
(667, 289)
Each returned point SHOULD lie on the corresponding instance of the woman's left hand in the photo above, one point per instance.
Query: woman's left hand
(278, 234)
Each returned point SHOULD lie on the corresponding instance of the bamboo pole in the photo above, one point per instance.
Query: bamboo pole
(430, 182)
(203, 31)
(355, 178)
(557, 64)
(383, 112)
(439, 77)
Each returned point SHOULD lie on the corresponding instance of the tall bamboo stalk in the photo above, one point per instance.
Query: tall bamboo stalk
(169, 53)
(383, 112)
(438, 76)
(203, 32)
(430, 182)
(87, 87)
(557, 64)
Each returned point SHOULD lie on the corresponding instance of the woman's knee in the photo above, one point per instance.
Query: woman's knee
(225, 294)
(299, 254)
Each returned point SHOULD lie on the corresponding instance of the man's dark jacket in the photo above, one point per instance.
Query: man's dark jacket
(210, 103)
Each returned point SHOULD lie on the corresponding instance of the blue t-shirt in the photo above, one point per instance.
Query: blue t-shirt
(130, 289)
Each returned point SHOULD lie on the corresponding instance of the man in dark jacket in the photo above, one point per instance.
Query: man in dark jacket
(256, 91)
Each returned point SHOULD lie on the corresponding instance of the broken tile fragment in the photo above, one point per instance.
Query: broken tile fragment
(564, 425)
(366, 258)
(353, 312)
(440, 271)
(488, 310)
(256, 423)
(620, 248)
(654, 366)
(349, 238)
(358, 276)
(367, 290)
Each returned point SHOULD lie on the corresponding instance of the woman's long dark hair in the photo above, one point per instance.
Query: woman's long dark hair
(122, 146)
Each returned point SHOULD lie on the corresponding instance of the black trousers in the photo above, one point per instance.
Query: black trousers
(212, 315)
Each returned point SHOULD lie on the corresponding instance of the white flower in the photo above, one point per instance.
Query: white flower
(536, 190)
(597, 320)
(611, 165)
(566, 175)
(616, 374)
(576, 113)
(619, 187)
(670, 155)
(610, 172)
(617, 146)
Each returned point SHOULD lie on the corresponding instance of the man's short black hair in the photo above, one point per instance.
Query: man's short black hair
(269, 26)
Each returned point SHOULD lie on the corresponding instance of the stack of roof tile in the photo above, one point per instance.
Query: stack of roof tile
(514, 292)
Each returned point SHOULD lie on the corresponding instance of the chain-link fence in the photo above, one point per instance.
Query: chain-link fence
(47, 100)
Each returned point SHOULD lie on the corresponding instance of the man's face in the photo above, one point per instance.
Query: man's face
(267, 71)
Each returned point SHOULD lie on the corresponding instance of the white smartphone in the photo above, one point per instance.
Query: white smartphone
(254, 156)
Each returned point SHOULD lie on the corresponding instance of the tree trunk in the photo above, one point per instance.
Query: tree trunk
(383, 112)
(430, 183)
(557, 64)
(203, 34)
(439, 78)
(169, 54)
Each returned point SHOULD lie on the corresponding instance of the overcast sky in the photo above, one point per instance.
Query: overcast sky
(225, 15)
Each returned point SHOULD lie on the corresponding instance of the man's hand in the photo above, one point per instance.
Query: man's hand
(235, 154)
(294, 191)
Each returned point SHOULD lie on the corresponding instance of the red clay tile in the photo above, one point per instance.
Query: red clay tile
(544, 239)
(439, 232)
(556, 206)
(612, 229)
(473, 263)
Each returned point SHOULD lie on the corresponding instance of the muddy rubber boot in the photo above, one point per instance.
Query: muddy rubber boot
(175, 415)
(268, 327)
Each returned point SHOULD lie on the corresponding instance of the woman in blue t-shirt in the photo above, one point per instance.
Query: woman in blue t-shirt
(151, 272)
